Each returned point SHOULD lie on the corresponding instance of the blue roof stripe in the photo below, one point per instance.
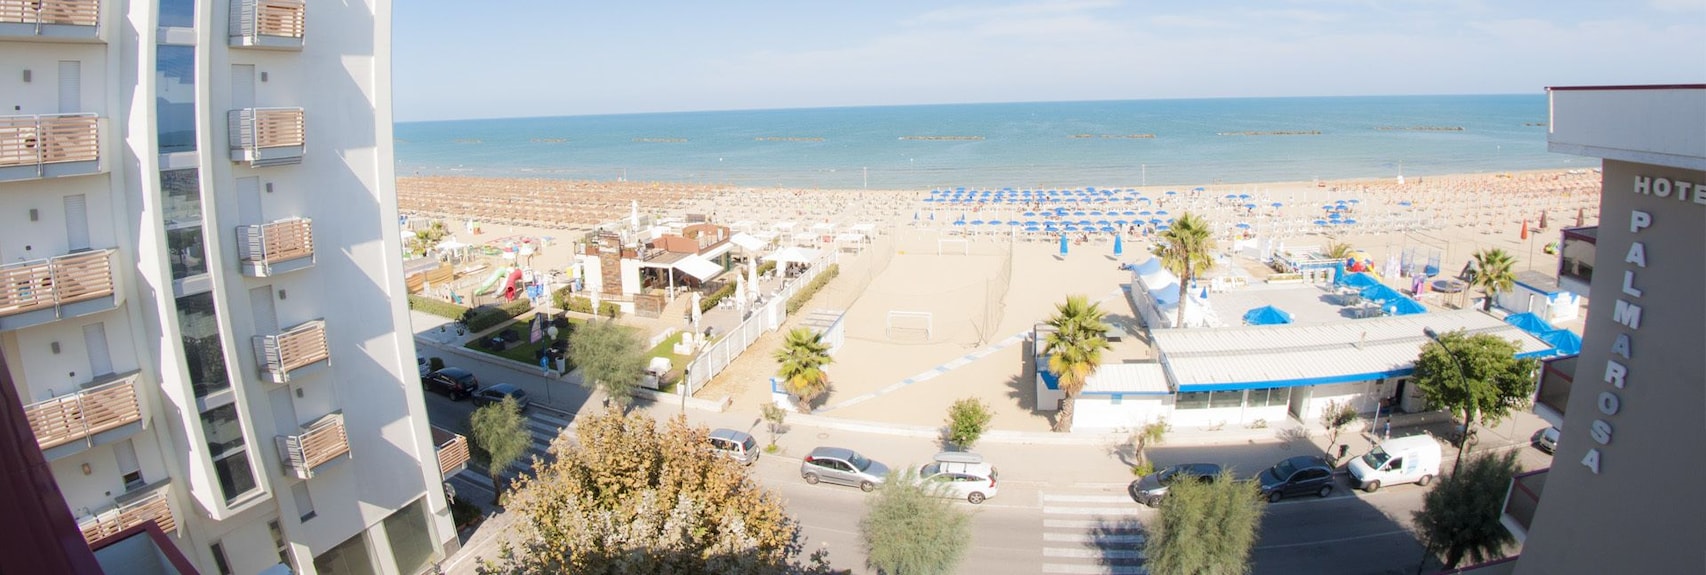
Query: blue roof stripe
(1347, 378)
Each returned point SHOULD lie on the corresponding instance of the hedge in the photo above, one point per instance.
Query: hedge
(710, 301)
(486, 317)
(805, 294)
(436, 307)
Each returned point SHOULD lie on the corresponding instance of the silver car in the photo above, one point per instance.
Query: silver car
(737, 445)
(844, 466)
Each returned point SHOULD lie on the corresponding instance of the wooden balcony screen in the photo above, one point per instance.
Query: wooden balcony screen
(36, 140)
(279, 18)
(452, 453)
(257, 128)
(151, 507)
(299, 346)
(74, 417)
(62, 12)
(279, 241)
(319, 442)
(41, 284)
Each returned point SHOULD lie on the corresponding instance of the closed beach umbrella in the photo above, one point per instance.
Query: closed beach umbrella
(1119, 245)
(1063, 244)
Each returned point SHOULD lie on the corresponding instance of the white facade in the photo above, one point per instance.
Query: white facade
(198, 215)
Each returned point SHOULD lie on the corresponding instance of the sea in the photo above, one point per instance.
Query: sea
(1008, 145)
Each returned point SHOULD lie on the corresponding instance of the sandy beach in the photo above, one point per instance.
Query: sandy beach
(879, 370)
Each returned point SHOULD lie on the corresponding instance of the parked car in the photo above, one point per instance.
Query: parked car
(1150, 489)
(1296, 476)
(737, 445)
(844, 466)
(960, 475)
(497, 393)
(1413, 459)
(454, 382)
(1547, 440)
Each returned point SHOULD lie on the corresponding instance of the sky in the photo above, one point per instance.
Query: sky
(529, 58)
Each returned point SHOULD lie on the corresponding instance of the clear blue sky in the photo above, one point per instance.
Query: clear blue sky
(518, 58)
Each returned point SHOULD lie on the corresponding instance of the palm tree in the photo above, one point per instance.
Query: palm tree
(1185, 250)
(803, 356)
(1339, 250)
(1074, 349)
(1494, 274)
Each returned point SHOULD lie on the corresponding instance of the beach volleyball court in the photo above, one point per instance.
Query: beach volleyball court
(934, 291)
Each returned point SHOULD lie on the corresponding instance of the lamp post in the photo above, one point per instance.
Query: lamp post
(1463, 442)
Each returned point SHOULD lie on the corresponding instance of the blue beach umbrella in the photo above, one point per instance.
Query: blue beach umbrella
(1119, 248)
(1231, 196)
(1249, 206)
(1405, 203)
(977, 222)
(1242, 226)
(1276, 204)
(1320, 222)
(1146, 213)
(1173, 193)
(1347, 221)
(1267, 315)
(1160, 212)
(1063, 244)
(1128, 213)
(959, 222)
(1162, 227)
(1243, 196)
(1107, 229)
(1121, 222)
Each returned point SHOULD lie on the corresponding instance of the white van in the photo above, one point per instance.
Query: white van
(1413, 459)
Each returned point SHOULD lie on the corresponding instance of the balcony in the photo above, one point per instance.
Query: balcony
(295, 352)
(151, 503)
(35, 292)
(275, 24)
(318, 444)
(49, 146)
(103, 411)
(263, 137)
(1557, 376)
(50, 19)
(280, 247)
(1521, 501)
(452, 452)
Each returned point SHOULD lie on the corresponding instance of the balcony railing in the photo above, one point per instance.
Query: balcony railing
(285, 354)
(131, 509)
(276, 248)
(50, 18)
(452, 451)
(267, 23)
(1521, 501)
(40, 291)
(48, 146)
(79, 417)
(267, 136)
(319, 443)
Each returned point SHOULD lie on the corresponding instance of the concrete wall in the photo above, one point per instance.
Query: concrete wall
(1641, 512)
(1100, 413)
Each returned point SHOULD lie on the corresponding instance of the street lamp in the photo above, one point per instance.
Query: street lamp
(1463, 443)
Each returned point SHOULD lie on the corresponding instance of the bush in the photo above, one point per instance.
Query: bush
(799, 300)
(560, 298)
(436, 307)
(967, 420)
(765, 267)
(463, 513)
(486, 317)
(580, 304)
(710, 301)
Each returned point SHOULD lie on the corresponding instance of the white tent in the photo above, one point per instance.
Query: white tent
(747, 241)
(698, 267)
(793, 255)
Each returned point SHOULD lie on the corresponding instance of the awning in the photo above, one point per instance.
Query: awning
(793, 255)
(698, 267)
(747, 242)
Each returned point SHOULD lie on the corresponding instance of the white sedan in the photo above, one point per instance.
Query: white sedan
(973, 483)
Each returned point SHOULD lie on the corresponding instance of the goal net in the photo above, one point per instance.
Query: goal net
(910, 325)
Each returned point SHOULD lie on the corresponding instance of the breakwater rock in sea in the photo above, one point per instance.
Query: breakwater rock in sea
(1419, 128)
(787, 139)
(660, 140)
(944, 138)
(1274, 133)
(1113, 136)
(549, 140)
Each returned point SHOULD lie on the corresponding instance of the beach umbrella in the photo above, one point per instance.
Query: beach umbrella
(1156, 221)
(1030, 214)
(1119, 245)
(976, 222)
(1128, 213)
(1354, 201)
(1335, 216)
(1320, 222)
(1204, 293)
(1405, 203)
(1267, 315)
(1173, 193)
(1525, 228)
(1563, 341)
(1542, 224)
(959, 222)
(1347, 221)
(1243, 196)
(1121, 222)
(1107, 229)
(1063, 244)
(1146, 213)
(1102, 222)
(1162, 227)
(1231, 196)
(1276, 204)
(1249, 206)
(1242, 226)
(1580, 213)
(1160, 212)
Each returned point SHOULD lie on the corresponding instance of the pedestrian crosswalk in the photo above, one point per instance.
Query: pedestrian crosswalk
(542, 427)
(1091, 529)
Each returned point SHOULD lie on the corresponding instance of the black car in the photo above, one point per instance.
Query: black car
(1150, 489)
(497, 393)
(1297, 476)
(452, 381)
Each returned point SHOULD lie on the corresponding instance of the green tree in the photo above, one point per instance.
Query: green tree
(1205, 527)
(1074, 349)
(803, 357)
(1460, 516)
(629, 497)
(1186, 249)
(967, 420)
(910, 530)
(501, 432)
(774, 416)
(1335, 417)
(1491, 383)
(1495, 273)
(611, 358)
(1150, 434)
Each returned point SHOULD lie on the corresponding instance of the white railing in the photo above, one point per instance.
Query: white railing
(716, 357)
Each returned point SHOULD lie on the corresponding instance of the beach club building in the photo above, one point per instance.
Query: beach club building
(201, 311)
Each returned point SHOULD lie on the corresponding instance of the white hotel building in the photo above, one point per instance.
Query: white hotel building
(200, 302)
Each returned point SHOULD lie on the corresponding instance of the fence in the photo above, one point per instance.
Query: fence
(716, 357)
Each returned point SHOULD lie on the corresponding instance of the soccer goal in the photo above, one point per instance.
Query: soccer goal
(947, 245)
(910, 323)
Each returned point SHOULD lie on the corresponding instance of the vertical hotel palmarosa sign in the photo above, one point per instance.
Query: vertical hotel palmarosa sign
(1627, 311)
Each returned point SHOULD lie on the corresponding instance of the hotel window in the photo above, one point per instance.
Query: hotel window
(1270, 397)
(1576, 255)
(181, 209)
(411, 546)
(283, 546)
(174, 98)
(220, 561)
(348, 558)
(198, 324)
(1191, 400)
(177, 13)
(224, 435)
(1222, 399)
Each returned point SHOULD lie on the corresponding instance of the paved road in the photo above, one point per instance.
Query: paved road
(1062, 508)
